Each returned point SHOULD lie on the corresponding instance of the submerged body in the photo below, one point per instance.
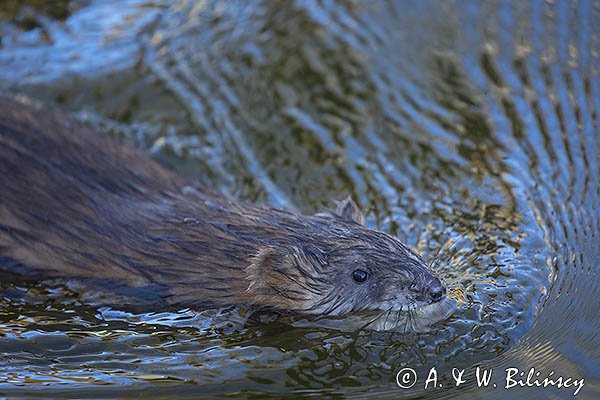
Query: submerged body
(76, 204)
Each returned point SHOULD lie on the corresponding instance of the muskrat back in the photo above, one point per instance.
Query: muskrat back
(76, 204)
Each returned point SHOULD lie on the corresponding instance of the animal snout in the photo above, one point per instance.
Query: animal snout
(437, 290)
(430, 289)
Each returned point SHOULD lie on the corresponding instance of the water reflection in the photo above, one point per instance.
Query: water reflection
(470, 130)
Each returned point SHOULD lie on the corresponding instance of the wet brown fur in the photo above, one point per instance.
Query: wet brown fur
(78, 204)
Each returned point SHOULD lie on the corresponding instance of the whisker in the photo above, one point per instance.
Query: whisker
(376, 318)
(397, 320)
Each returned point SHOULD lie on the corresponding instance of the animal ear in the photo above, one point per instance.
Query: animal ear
(276, 278)
(348, 210)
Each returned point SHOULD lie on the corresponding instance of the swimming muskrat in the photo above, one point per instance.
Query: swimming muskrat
(78, 204)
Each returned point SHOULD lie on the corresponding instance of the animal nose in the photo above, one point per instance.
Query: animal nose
(437, 290)
(429, 288)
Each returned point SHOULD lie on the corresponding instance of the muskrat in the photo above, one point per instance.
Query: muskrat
(78, 204)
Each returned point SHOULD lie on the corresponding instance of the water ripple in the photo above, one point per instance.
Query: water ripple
(468, 129)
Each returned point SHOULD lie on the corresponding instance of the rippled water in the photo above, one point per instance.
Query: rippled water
(468, 129)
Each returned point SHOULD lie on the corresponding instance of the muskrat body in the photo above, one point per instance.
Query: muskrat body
(78, 204)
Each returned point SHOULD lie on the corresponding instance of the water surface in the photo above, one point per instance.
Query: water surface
(470, 130)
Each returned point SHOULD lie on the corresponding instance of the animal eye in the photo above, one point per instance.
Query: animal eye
(359, 275)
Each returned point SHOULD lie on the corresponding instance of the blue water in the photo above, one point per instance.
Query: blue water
(468, 129)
